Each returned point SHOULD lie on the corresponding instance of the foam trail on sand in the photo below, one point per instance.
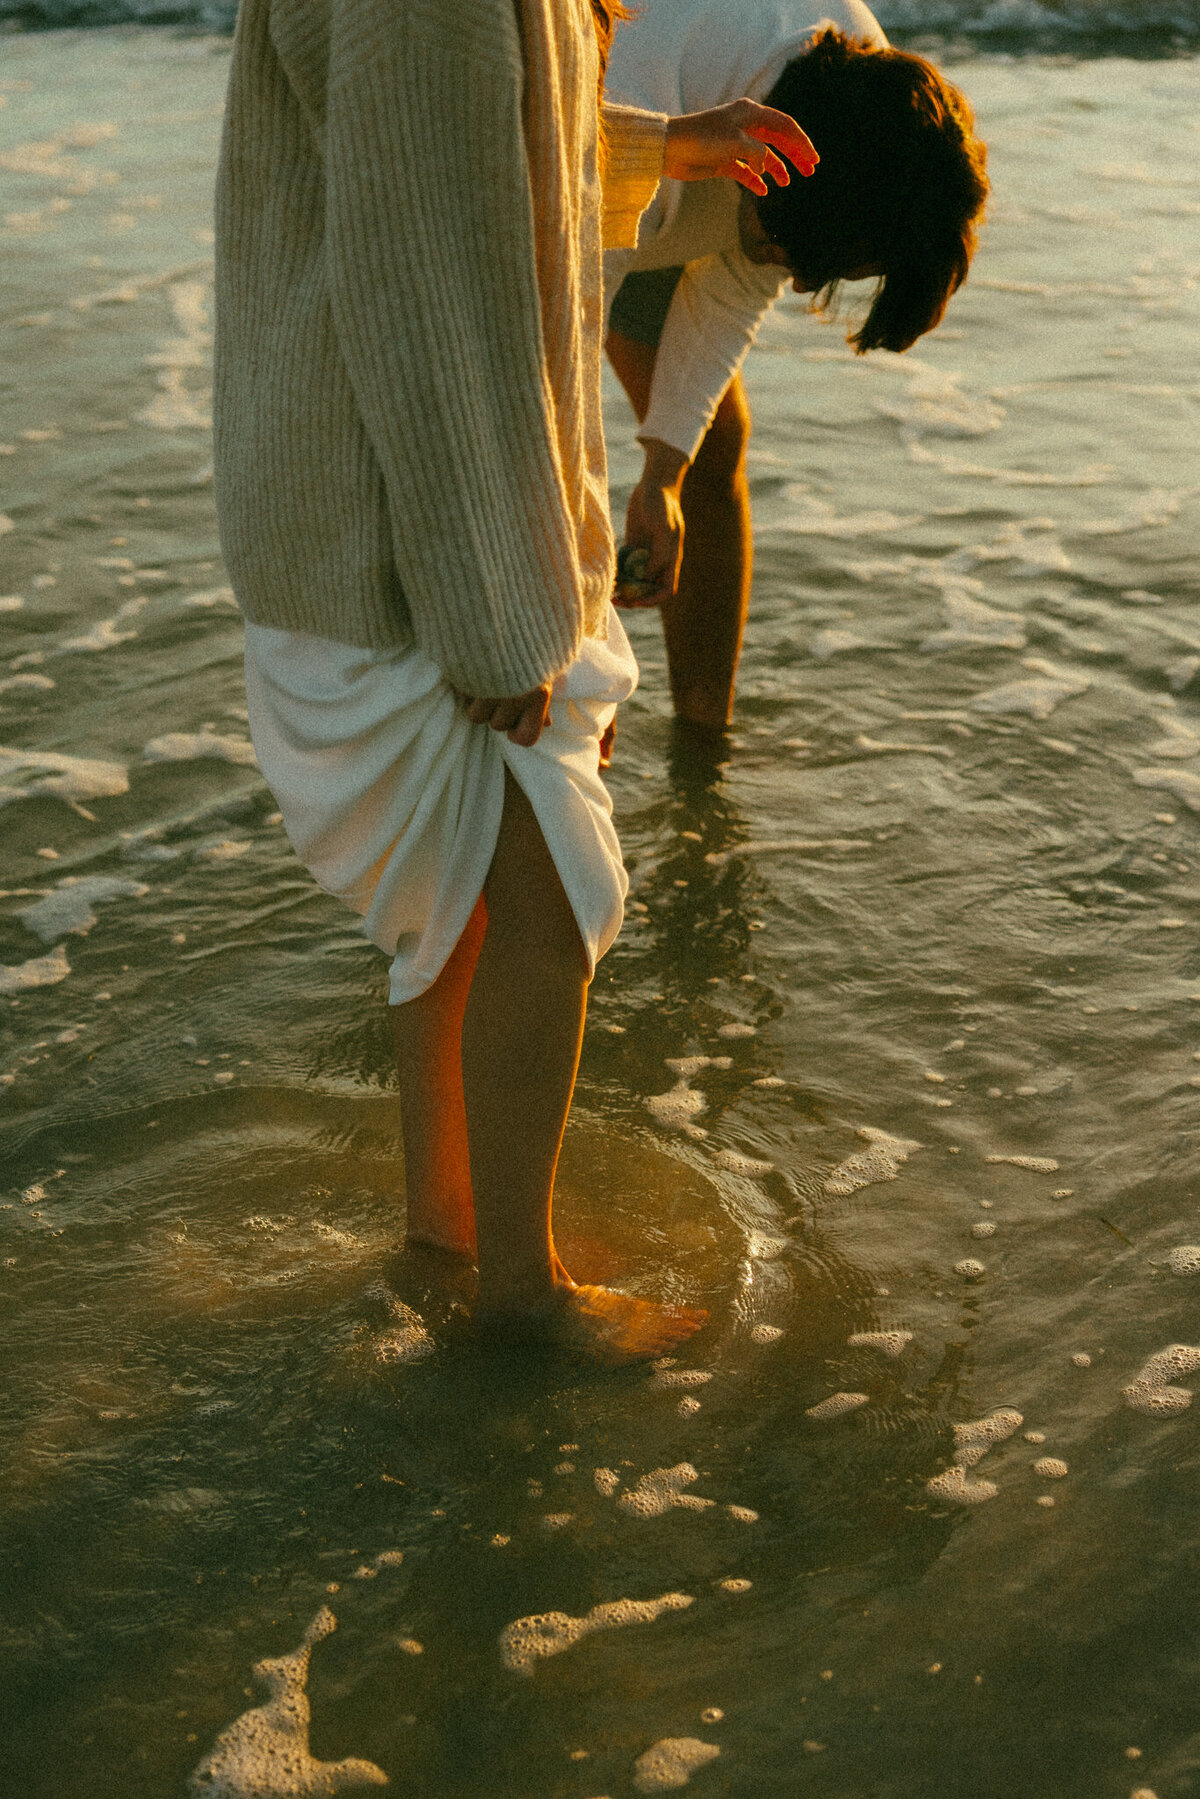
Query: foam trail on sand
(527, 1641)
(265, 1753)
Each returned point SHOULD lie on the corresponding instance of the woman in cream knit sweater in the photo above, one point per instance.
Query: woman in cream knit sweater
(412, 495)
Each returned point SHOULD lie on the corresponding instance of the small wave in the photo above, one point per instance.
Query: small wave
(1140, 26)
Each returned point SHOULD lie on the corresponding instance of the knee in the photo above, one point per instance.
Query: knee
(720, 465)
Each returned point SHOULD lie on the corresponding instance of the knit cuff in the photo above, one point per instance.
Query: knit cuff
(636, 143)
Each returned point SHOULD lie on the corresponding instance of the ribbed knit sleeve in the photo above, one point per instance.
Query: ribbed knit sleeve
(430, 266)
(635, 143)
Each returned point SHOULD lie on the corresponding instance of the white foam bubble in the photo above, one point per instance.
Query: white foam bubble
(743, 1513)
(765, 1333)
(1158, 507)
(770, 846)
(194, 746)
(409, 1341)
(106, 634)
(733, 1162)
(40, 971)
(972, 625)
(1180, 742)
(934, 405)
(1181, 672)
(680, 1377)
(265, 1753)
(1152, 1392)
(954, 1487)
(985, 1228)
(735, 1584)
(68, 909)
(836, 1406)
(526, 1641)
(678, 1108)
(663, 1490)
(1185, 1259)
(1038, 696)
(1082, 1359)
(26, 683)
(1035, 1164)
(607, 1481)
(828, 643)
(882, 1162)
(1177, 781)
(889, 1343)
(671, 1762)
(973, 1439)
(1050, 1467)
(70, 778)
(970, 1269)
(222, 849)
(736, 1029)
(210, 597)
(686, 1067)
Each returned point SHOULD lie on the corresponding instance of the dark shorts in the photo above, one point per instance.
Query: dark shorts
(642, 303)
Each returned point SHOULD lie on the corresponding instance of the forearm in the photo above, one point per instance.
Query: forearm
(664, 466)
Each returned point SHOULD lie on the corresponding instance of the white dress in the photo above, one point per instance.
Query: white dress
(392, 798)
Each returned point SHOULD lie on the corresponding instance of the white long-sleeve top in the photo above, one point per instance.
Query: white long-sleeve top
(682, 56)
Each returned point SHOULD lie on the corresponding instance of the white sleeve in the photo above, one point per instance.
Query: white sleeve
(715, 312)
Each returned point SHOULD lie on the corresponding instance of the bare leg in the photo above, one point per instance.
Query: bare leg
(520, 1050)
(703, 624)
(428, 1033)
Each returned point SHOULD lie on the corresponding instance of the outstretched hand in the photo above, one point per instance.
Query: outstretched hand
(738, 140)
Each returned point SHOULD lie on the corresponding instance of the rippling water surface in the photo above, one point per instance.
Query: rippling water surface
(928, 933)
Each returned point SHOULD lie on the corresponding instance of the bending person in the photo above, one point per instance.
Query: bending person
(896, 199)
(411, 492)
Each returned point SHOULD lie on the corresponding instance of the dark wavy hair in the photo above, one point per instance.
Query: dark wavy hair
(901, 184)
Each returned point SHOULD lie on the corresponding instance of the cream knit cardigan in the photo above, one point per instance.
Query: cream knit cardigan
(408, 431)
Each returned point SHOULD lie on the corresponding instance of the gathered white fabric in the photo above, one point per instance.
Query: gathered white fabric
(392, 798)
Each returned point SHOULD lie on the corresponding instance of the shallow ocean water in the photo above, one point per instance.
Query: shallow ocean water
(931, 920)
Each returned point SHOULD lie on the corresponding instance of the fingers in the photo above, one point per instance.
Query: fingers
(522, 716)
(770, 126)
(532, 720)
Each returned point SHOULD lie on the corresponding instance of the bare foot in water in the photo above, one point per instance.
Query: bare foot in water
(601, 1323)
